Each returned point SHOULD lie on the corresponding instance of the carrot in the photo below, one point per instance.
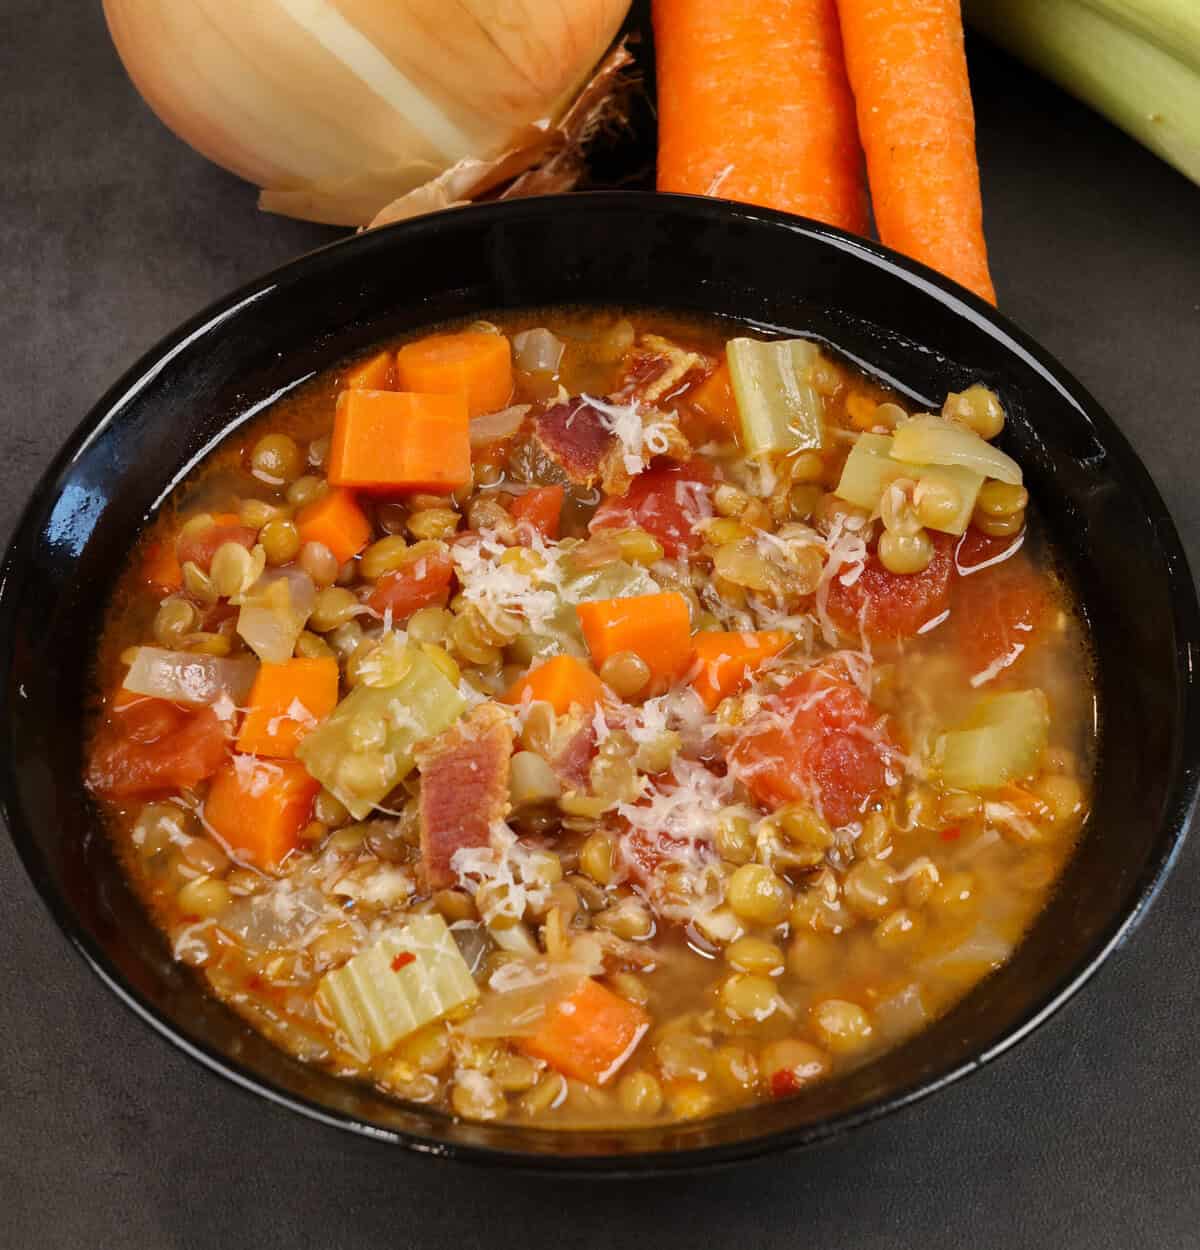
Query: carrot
(655, 627)
(541, 508)
(753, 105)
(561, 682)
(337, 521)
(726, 660)
(160, 568)
(476, 365)
(374, 374)
(909, 73)
(400, 440)
(286, 701)
(589, 1034)
(713, 399)
(258, 807)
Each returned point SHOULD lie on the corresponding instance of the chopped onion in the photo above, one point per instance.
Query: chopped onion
(185, 677)
(493, 426)
(927, 439)
(984, 946)
(274, 612)
(537, 351)
(903, 1014)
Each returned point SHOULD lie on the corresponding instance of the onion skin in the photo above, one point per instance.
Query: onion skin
(365, 100)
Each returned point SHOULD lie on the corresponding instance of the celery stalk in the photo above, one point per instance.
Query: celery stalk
(1135, 61)
(410, 977)
(779, 407)
(1003, 739)
(870, 469)
(368, 743)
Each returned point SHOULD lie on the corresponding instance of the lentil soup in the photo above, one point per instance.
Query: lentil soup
(595, 719)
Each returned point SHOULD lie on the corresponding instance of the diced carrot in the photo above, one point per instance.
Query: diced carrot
(753, 105)
(160, 567)
(418, 583)
(727, 660)
(400, 440)
(714, 400)
(562, 682)
(908, 68)
(540, 508)
(654, 627)
(286, 701)
(589, 1034)
(258, 807)
(476, 365)
(337, 521)
(375, 374)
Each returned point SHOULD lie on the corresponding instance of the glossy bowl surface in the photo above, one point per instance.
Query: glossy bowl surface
(898, 320)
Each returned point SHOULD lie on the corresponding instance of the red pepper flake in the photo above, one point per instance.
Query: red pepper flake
(784, 1083)
(403, 960)
(254, 982)
(952, 833)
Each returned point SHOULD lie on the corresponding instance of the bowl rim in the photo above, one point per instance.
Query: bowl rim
(1183, 773)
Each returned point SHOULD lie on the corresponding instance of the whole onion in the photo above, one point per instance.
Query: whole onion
(339, 107)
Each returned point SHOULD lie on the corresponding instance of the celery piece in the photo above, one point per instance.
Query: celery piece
(870, 469)
(1135, 61)
(780, 409)
(367, 744)
(930, 440)
(1003, 739)
(410, 977)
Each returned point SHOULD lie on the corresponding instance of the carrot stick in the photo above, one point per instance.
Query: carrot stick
(753, 105)
(909, 73)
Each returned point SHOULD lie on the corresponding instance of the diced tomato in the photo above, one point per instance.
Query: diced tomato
(976, 548)
(894, 605)
(200, 547)
(540, 508)
(666, 501)
(151, 746)
(831, 750)
(420, 583)
(784, 1082)
(160, 567)
(997, 613)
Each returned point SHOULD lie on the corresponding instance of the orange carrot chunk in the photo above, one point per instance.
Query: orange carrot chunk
(375, 374)
(337, 521)
(753, 105)
(654, 627)
(589, 1034)
(258, 807)
(908, 70)
(727, 660)
(540, 508)
(400, 440)
(286, 701)
(713, 400)
(476, 365)
(561, 682)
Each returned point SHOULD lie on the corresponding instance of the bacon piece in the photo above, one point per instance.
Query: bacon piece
(574, 757)
(657, 368)
(464, 789)
(575, 436)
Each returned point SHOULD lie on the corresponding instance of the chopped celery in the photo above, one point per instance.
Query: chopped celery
(368, 743)
(927, 440)
(870, 468)
(1003, 739)
(410, 977)
(780, 408)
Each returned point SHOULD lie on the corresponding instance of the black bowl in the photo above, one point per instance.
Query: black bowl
(898, 320)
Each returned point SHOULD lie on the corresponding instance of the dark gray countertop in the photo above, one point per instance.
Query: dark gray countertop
(1088, 1135)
